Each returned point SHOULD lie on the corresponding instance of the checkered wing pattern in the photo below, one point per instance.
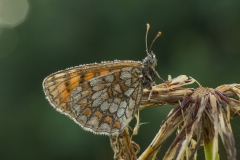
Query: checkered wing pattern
(106, 104)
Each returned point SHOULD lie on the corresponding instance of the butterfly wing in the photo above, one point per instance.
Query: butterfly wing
(59, 86)
(106, 104)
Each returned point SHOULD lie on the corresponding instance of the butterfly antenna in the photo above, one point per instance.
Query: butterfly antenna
(158, 35)
(148, 27)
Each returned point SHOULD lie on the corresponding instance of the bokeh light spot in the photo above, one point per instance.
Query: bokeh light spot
(13, 12)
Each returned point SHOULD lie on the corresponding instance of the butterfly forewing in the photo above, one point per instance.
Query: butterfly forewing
(100, 97)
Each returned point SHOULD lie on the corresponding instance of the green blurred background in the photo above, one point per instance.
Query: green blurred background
(38, 37)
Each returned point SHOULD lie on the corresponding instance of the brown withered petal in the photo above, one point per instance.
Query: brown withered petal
(200, 117)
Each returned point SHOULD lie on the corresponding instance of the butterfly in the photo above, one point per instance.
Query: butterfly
(102, 97)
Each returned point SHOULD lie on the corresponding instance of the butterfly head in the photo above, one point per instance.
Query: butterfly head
(150, 60)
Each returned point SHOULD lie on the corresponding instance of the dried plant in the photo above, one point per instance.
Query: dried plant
(200, 116)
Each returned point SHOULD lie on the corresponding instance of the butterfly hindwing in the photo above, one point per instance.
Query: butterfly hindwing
(106, 104)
